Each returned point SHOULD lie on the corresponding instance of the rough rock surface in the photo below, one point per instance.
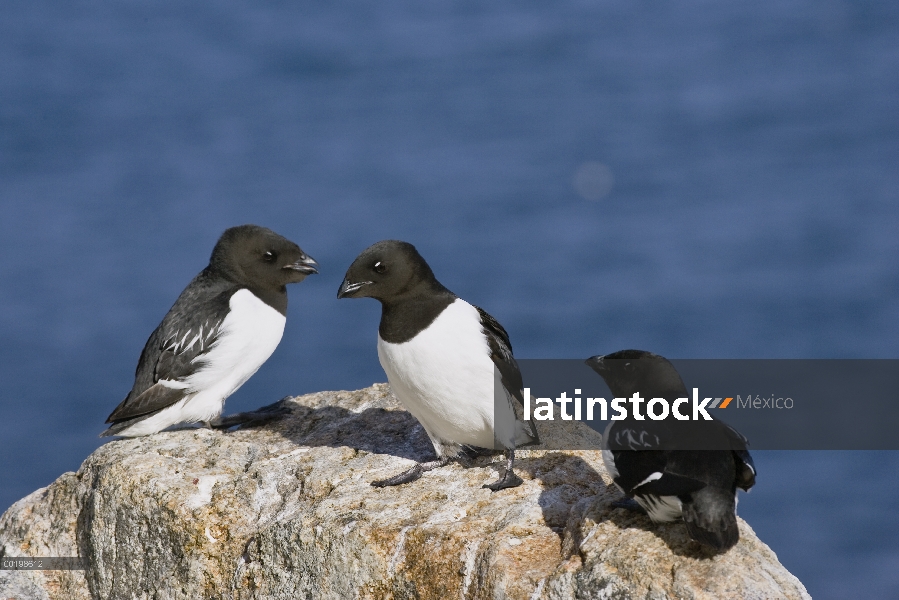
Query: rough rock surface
(286, 511)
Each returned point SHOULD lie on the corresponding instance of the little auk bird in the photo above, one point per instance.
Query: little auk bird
(698, 486)
(449, 362)
(221, 329)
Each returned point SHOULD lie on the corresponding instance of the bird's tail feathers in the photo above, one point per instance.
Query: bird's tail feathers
(117, 427)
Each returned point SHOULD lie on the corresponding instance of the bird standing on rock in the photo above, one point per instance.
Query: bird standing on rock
(222, 328)
(643, 458)
(449, 362)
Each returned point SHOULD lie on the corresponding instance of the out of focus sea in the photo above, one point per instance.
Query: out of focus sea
(699, 179)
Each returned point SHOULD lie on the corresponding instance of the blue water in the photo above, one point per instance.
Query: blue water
(700, 179)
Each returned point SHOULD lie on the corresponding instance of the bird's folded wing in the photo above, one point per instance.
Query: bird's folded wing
(645, 473)
(635, 468)
(156, 397)
(670, 484)
(173, 353)
(501, 354)
(635, 436)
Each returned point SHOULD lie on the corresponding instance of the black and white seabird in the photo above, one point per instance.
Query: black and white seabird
(699, 486)
(443, 358)
(221, 329)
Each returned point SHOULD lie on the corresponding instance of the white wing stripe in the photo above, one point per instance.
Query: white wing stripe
(173, 384)
(652, 477)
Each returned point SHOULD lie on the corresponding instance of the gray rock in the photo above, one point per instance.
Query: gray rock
(286, 511)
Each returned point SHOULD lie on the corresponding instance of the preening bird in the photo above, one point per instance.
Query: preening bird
(645, 461)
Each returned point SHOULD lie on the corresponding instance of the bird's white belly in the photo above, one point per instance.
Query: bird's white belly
(444, 376)
(249, 335)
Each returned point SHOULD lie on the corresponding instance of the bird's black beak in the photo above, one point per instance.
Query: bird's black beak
(597, 364)
(347, 289)
(305, 265)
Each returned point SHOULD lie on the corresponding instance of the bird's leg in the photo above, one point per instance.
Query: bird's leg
(411, 474)
(629, 504)
(472, 452)
(252, 418)
(468, 454)
(508, 479)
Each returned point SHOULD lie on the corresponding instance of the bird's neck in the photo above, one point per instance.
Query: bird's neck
(404, 317)
(276, 298)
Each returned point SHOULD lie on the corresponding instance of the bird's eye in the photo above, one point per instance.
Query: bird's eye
(268, 257)
(628, 367)
(380, 267)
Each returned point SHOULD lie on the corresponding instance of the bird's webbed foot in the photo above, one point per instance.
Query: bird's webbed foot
(508, 479)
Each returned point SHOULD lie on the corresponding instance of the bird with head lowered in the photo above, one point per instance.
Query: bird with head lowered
(657, 463)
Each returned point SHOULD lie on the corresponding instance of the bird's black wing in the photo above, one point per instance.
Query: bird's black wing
(631, 434)
(641, 456)
(501, 354)
(647, 472)
(175, 349)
